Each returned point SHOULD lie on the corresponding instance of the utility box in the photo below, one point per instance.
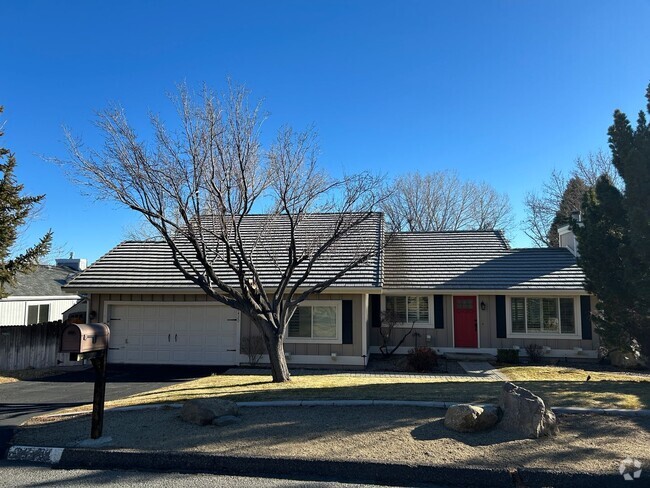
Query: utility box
(84, 338)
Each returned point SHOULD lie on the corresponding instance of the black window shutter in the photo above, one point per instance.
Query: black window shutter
(501, 316)
(347, 322)
(375, 310)
(438, 312)
(585, 316)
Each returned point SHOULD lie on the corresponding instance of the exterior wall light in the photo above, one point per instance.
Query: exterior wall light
(483, 305)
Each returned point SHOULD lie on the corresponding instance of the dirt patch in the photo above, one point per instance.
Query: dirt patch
(392, 434)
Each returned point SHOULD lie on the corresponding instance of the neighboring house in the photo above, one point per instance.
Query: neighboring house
(467, 291)
(78, 313)
(37, 296)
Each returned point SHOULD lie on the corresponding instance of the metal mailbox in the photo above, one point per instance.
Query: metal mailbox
(84, 338)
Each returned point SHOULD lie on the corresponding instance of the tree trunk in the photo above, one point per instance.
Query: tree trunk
(275, 348)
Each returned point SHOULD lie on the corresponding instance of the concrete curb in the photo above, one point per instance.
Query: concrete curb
(303, 469)
(44, 455)
(622, 412)
(369, 403)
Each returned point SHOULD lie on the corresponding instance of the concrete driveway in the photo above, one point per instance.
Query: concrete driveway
(21, 400)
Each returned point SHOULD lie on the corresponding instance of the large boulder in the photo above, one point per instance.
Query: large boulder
(470, 418)
(625, 359)
(204, 410)
(525, 413)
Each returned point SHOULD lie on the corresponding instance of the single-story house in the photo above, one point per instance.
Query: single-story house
(467, 291)
(37, 296)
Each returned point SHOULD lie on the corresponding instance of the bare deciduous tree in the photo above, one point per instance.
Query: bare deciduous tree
(199, 186)
(441, 201)
(542, 207)
(389, 322)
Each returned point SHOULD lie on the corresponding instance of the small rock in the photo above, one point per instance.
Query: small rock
(469, 418)
(525, 413)
(195, 412)
(220, 407)
(203, 411)
(226, 420)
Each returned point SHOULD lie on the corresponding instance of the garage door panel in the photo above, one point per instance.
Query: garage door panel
(174, 334)
(212, 341)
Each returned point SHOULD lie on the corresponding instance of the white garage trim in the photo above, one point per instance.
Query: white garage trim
(129, 303)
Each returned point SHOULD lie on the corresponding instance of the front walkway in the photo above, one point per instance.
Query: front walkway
(483, 369)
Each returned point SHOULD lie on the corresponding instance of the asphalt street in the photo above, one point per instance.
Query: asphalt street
(22, 400)
(16, 476)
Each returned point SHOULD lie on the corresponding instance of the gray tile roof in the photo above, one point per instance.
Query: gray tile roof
(148, 265)
(463, 260)
(475, 260)
(43, 281)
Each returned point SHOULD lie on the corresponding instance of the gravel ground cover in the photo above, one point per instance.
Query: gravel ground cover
(411, 435)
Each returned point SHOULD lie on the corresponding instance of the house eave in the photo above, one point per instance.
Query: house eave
(33, 298)
(194, 291)
(485, 291)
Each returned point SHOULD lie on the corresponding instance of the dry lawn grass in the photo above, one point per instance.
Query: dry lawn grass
(558, 389)
(558, 373)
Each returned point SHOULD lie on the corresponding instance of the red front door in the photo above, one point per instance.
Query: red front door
(465, 326)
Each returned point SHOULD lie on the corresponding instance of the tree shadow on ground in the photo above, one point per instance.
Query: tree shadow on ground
(413, 435)
(435, 430)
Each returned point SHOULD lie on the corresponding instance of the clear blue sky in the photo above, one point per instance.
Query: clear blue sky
(501, 91)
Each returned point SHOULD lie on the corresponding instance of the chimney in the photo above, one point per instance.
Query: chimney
(78, 264)
(567, 237)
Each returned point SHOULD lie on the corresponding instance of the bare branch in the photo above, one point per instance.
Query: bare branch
(441, 201)
(198, 184)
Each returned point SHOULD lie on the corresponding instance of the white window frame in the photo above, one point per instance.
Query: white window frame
(31, 304)
(325, 340)
(422, 325)
(544, 335)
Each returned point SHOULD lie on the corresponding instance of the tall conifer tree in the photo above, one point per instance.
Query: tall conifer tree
(615, 238)
(15, 208)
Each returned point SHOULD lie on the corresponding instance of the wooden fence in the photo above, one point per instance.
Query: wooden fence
(31, 346)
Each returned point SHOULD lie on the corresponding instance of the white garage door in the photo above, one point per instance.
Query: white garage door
(173, 334)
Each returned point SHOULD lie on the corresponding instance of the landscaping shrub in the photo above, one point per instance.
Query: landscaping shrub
(508, 356)
(422, 359)
(535, 353)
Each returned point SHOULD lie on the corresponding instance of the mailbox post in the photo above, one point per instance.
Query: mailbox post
(90, 341)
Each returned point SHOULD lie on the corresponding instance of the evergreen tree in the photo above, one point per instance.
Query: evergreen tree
(14, 210)
(615, 238)
(571, 201)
